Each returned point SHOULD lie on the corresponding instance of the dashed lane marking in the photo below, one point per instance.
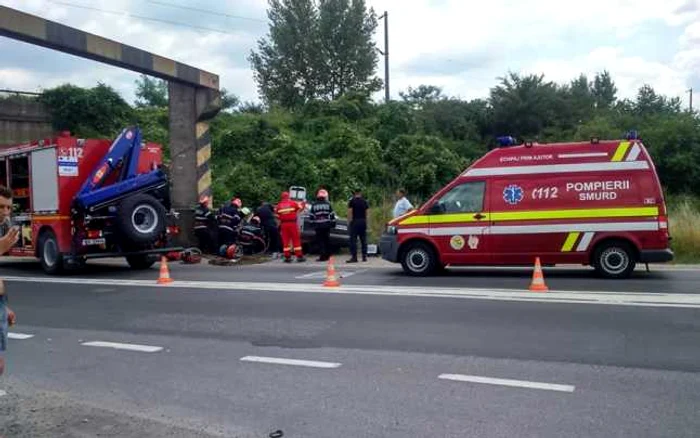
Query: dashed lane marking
(508, 382)
(19, 336)
(2, 393)
(120, 346)
(295, 362)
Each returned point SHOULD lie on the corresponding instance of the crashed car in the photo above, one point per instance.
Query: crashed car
(340, 237)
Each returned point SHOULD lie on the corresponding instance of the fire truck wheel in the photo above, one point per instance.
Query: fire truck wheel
(141, 219)
(614, 259)
(141, 261)
(419, 259)
(49, 255)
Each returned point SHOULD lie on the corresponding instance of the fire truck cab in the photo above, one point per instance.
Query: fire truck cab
(596, 203)
(77, 199)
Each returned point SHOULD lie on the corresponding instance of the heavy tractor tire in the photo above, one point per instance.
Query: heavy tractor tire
(141, 219)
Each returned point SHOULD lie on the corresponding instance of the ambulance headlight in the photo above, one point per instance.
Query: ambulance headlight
(391, 229)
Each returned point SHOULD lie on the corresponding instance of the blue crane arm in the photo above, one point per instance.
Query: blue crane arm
(123, 154)
(125, 150)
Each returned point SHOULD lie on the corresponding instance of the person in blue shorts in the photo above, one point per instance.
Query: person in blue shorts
(8, 237)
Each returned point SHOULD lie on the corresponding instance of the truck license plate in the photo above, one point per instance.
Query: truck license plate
(89, 242)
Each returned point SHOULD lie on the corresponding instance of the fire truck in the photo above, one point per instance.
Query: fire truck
(78, 199)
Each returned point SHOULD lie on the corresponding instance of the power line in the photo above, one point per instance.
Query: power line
(140, 17)
(206, 11)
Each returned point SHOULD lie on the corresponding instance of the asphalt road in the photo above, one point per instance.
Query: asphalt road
(663, 279)
(197, 362)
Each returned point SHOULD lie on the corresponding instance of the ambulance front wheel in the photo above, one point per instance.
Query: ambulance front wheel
(49, 253)
(615, 259)
(419, 260)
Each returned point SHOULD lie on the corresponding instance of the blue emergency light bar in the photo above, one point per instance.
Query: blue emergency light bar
(505, 141)
(632, 135)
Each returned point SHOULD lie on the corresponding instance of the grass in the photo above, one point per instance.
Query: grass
(684, 226)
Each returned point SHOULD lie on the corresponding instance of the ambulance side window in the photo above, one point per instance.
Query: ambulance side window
(463, 198)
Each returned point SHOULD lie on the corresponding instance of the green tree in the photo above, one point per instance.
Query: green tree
(523, 105)
(87, 112)
(604, 90)
(151, 92)
(315, 50)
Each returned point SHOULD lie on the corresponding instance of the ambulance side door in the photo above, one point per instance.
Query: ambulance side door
(458, 223)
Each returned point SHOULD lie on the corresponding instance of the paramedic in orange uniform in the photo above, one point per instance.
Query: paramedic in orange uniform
(287, 212)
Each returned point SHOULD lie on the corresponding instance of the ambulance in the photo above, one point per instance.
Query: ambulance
(596, 203)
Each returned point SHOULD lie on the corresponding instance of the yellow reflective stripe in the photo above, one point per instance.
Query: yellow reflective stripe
(286, 210)
(621, 151)
(570, 241)
(533, 215)
(444, 218)
(576, 214)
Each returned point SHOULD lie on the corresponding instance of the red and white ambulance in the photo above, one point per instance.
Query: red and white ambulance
(595, 203)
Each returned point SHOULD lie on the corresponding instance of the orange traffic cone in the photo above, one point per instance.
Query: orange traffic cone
(537, 284)
(331, 278)
(164, 277)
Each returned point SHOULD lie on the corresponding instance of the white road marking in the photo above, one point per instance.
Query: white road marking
(322, 274)
(2, 393)
(120, 346)
(19, 336)
(508, 382)
(296, 362)
(641, 298)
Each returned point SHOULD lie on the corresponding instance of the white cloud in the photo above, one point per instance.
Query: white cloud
(474, 44)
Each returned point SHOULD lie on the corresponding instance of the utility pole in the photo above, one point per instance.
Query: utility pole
(385, 53)
(690, 92)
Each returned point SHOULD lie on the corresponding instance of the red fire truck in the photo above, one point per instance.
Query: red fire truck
(77, 199)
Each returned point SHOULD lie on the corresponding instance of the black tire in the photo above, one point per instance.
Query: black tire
(141, 219)
(141, 261)
(419, 260)
(49, 255)
(614, 259)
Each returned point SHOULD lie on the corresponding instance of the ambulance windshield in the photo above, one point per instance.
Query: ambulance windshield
(463, 198)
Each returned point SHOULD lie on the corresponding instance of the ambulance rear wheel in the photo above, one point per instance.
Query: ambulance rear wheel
(419, 260)
(614, 260)
(49, 253)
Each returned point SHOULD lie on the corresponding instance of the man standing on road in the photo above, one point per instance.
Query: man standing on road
(403, 205)
(267, 219)
(10, 236)
(357, 220)
(229, 220)
(204, 221)
(322, 218)
(287, 212)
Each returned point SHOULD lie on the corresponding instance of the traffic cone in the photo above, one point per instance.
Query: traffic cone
(537, 284)
(164, 277)
(331, 278)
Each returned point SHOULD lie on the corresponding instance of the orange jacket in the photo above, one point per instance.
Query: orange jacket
(287, 210)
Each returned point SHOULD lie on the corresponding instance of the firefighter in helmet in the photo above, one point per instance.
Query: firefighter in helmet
(229, 221)
(323, 218)
(287, 212)
(204, 221)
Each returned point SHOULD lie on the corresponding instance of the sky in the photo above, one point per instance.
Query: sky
(453, 44)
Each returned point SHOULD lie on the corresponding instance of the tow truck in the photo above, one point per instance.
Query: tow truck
(79, 199)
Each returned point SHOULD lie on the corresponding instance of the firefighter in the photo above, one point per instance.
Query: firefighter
(287, 213)
(229, 221)
(323, 218)
(204, 221)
